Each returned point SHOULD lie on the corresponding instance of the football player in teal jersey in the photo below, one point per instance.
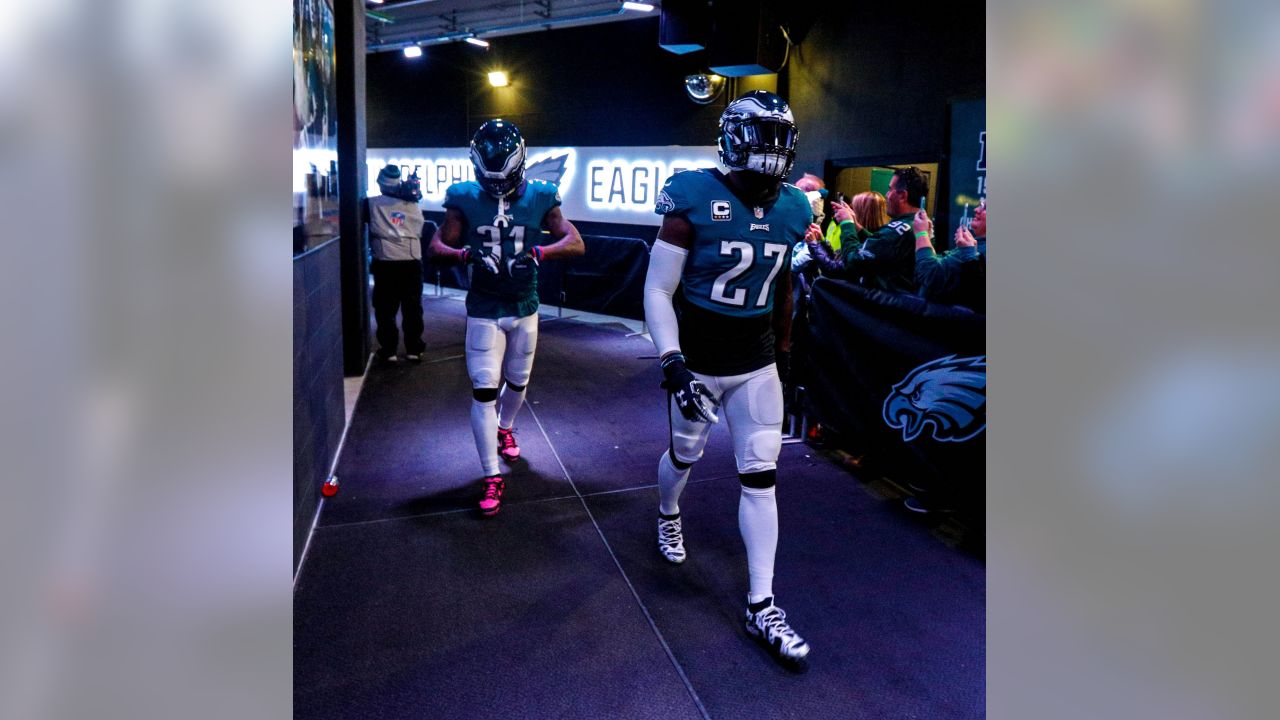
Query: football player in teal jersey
(723, 259)
(494, 225)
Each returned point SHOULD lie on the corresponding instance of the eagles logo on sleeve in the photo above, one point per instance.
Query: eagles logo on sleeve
(949, 393)
(663, 204)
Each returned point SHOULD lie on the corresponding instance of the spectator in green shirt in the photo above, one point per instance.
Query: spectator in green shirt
(957, 277)
(884, 258)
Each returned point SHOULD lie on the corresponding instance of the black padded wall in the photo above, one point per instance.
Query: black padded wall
(869, 83)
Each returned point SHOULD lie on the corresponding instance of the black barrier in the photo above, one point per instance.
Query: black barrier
(608, 279)
(902, 380)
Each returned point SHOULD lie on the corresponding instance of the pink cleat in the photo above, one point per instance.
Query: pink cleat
(507, 446)
(492, 500)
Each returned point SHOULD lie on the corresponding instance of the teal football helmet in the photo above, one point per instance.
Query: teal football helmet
(498, 154)
(758, 132)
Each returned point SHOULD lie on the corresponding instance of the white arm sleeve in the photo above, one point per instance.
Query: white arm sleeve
(666, 266)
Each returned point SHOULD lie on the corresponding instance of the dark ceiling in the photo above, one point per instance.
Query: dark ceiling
(395, 24)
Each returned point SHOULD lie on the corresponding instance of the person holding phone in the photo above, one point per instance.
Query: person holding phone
(832, 232)
(957, 277)
(885, 258)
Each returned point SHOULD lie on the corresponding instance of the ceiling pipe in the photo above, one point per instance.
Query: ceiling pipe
(406, 3)
(544, 23)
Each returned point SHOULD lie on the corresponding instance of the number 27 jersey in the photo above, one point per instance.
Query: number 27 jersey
(738, 251)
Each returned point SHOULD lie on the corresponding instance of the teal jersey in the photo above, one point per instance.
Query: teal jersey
(738, 251)
(504, 227)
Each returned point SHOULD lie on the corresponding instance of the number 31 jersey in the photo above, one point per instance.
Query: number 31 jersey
(738, 253)
(504, 227)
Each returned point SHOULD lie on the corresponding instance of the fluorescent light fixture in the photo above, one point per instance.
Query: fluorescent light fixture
(477, 41)
(374, 2)
(413, 51)
(497, 78)
(642, 7)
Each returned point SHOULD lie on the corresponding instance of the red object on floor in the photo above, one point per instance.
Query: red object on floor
(330, 487)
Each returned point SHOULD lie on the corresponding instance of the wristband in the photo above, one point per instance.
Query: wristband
(923, 233)
(672, 358)
(536, 251)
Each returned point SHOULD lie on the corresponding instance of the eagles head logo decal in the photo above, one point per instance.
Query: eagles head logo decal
(550, 169)
(949, 394)
(664, 204)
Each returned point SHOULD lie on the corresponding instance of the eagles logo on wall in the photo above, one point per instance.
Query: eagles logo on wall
(550, 169)
(948, 394)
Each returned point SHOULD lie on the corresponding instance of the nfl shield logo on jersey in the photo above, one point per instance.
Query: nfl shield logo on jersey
(720, 210)
(759, 213)
(397, 218)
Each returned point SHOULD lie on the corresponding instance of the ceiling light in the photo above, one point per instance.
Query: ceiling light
(477, 41)
(643, 7)
(497, 78)
(375, 2)
(413, 51)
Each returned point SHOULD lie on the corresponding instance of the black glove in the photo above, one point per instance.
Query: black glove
(525, 264)
(695, 401)
(483, 260)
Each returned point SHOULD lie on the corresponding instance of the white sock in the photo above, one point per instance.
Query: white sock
(509, 403)
(670, 484)
(758, 522)
(484, 425)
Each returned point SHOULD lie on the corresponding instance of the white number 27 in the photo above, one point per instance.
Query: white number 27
(746, 257)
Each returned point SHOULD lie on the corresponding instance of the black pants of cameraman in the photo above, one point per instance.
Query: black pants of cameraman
(397, 287)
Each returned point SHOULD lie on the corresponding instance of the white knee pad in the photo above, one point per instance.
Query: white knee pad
(760, 451)
(755, 413)
(486, 344)
(688, 444)
(688, 439)
(522, 341)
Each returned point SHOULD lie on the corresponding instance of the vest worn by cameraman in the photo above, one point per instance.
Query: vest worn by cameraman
(395, 228)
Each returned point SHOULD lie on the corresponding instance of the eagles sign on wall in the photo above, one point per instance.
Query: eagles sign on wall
(613, 185)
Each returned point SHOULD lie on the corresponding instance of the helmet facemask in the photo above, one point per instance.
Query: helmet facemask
(758, 133)
(504, 180)
(498, 155)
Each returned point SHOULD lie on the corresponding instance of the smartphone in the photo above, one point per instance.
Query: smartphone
(840, 197)
(922, 199)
